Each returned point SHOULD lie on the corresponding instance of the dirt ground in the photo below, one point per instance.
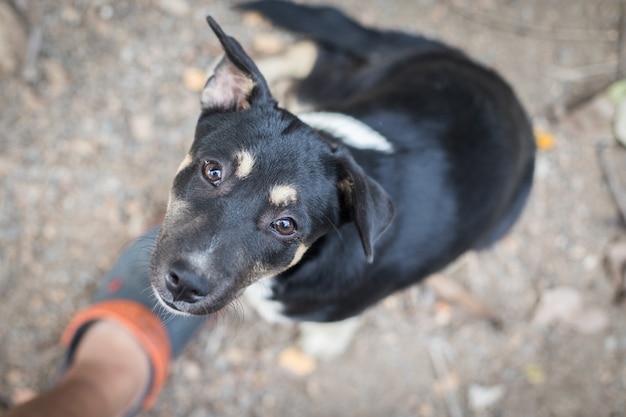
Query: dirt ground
(89, 144)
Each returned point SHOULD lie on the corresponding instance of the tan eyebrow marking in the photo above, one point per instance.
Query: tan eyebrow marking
(185, 163)
(298, 255)
(245, 163)
(281, 195)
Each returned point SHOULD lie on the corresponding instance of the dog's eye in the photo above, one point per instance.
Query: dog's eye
(285, 226)
(212, 172)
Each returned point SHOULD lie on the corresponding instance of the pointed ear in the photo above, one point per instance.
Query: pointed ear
(365, 203)
(228, 89)
(236, 82)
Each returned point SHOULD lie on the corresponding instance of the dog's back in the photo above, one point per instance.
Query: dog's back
(459, 170)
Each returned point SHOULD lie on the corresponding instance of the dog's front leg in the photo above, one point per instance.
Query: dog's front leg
(327, 340)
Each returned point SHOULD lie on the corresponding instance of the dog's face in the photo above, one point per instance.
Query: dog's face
(256, 190)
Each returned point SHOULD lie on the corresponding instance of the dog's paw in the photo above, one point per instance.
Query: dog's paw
(327, 340)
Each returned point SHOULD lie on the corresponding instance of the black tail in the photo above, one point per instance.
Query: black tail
(332, 28)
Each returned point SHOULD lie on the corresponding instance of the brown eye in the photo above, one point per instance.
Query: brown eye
(212, 172)
(285, 226)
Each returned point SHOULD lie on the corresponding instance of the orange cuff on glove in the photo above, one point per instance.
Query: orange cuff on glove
(142, 323)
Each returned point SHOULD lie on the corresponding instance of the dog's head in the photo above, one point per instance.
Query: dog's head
(256, 190)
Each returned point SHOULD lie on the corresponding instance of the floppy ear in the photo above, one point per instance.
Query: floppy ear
(365, 203)
(236, 82)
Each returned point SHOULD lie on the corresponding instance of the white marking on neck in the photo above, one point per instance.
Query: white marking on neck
(258, 295)
(349, 130)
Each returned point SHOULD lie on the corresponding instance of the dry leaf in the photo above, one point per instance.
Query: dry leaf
(194, 79)
(557, 304)
(176, 8)
(566, 305)
(268, 44)
(534, 374)
(590, 321)
(296, 362)
(544, 140)
(619, 122)
(253, 19)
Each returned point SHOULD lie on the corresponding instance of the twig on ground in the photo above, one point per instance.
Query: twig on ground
(454, 293)
(437, 351)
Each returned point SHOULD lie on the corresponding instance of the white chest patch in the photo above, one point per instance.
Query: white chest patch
(349, 130)
(258, 297)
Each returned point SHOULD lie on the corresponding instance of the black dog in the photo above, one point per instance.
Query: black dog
(415, 155)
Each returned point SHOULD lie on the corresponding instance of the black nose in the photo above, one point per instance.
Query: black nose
(185, 284)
